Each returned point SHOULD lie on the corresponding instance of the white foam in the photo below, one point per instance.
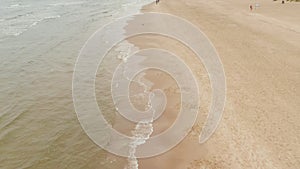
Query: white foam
(13, 6)
(143, 129)
(20, 25)
(141, 134)
(67, 3)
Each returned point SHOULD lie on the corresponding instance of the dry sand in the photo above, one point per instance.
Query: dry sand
(260, 51)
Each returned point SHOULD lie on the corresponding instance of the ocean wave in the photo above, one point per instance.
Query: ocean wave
(17, 6)
(19, 25)
(67, 3)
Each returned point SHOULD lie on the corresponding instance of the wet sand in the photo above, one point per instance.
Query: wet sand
(260, 125)
(260, 51)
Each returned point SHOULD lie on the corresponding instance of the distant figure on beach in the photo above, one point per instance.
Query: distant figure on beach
(157, 1)
(251, 7)
(282, 2)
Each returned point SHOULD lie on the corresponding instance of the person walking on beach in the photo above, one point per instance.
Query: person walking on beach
(157, 1)
(251, 7)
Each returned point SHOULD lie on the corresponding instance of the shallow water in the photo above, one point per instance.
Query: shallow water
(39, 44)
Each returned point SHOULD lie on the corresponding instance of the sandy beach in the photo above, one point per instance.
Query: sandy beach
(40, 42)
(260, 53)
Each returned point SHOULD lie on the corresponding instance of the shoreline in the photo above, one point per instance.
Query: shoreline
(251, 133)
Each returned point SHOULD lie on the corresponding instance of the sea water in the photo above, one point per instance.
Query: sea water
(39, 44)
